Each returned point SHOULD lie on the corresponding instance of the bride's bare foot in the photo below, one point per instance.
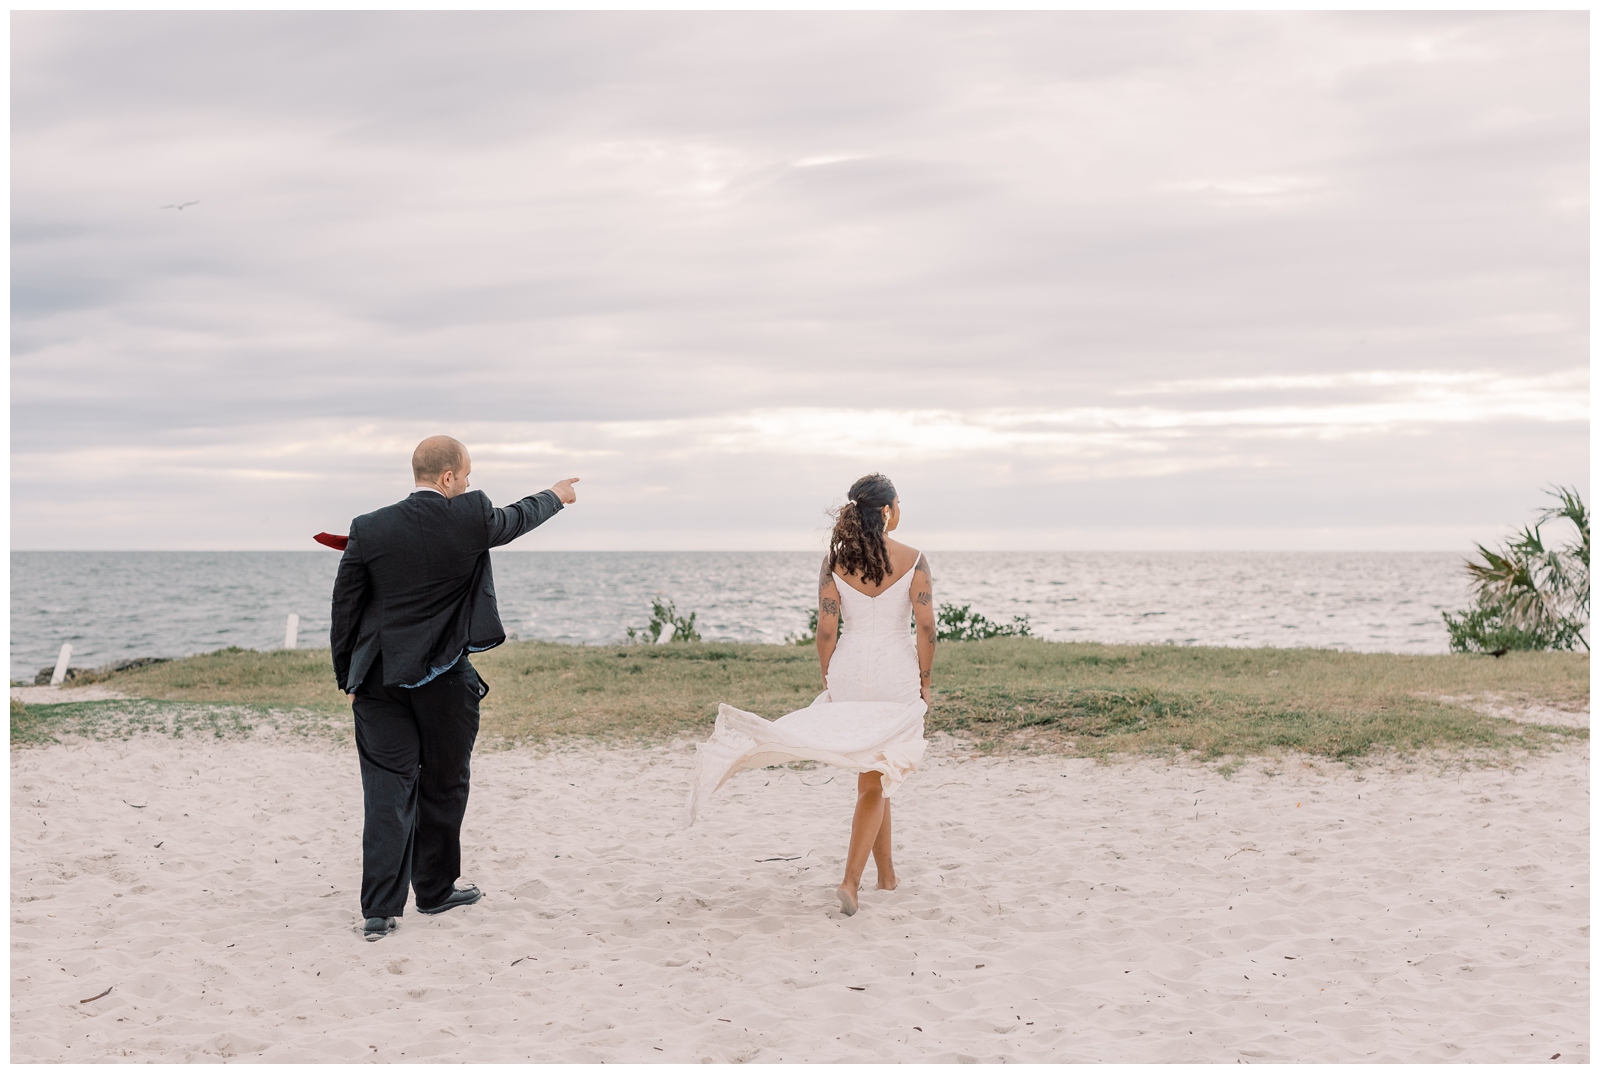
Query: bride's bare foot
(848, 901)
(888, 883)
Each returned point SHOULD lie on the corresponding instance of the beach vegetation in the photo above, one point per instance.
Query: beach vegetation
(1003, 694)
(665, 620)
(810, 636)
(964, 624)
(952, 623)
(1530, 594)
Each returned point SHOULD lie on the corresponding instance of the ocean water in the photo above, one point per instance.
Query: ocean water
(116, 605)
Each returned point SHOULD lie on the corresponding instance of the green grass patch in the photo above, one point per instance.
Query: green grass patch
(298, 678)
(1002, 694)
(1097, 700)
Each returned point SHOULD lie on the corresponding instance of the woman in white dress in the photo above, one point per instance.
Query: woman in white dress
(876, 673)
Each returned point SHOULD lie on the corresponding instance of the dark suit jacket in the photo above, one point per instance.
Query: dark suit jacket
(415, 584)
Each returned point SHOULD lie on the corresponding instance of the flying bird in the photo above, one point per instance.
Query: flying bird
(183, 206)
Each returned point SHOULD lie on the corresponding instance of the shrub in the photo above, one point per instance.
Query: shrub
(955, 624)
(664, 614)
(1484, 628)
(964, 624)
(1528, 595)
(810, 636)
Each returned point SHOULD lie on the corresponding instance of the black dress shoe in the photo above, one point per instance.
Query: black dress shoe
(377, 928)
(459, 897)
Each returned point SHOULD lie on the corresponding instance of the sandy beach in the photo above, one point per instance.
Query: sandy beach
(1049, 910)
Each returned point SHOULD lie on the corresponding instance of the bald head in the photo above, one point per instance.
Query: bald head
(441, 457)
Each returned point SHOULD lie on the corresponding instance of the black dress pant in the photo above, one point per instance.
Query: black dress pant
(415, 747)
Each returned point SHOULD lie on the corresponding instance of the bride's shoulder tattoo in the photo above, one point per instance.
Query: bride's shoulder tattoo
(825, 577)
(922, 565)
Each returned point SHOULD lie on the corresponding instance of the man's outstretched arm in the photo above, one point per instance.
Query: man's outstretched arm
(508, 523)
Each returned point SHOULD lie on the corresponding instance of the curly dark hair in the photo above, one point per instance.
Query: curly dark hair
(857, 546)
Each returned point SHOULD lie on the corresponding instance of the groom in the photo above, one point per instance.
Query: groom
(414, 595)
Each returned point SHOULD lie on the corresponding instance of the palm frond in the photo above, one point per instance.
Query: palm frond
(1532, 588)
(1569, 567)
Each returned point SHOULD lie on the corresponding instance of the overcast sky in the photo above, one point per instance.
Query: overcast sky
(1072, 280)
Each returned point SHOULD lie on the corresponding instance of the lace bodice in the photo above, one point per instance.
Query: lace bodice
(877, 655)
(887, 613)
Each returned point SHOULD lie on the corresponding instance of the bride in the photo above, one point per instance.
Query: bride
(868, 719)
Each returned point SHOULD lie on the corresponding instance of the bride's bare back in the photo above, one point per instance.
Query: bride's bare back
(902, 558)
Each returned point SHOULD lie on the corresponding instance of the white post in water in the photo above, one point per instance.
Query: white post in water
(60, 675)
(291, 631)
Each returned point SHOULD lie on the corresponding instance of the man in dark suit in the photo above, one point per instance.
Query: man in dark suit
(414, 595)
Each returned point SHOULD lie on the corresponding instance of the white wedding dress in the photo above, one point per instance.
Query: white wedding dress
(869, 719)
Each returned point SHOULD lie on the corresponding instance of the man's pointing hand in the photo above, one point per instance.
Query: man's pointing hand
(564, 490)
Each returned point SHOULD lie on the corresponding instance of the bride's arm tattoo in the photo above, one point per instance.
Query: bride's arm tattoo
(827, 605)
(925, 596)
(827, 635)
(922, 588)
(827, 591)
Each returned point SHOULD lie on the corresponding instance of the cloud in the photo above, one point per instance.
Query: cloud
(1071, 250)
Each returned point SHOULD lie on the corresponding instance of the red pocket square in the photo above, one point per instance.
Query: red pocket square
(332, 540)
